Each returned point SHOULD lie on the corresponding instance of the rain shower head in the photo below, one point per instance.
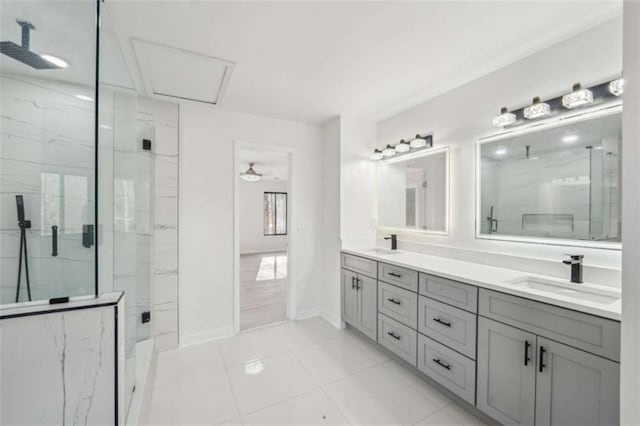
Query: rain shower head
(22, 53)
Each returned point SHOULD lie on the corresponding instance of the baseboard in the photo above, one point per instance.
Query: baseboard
(332, 318)
(205, 336)
(308, 313)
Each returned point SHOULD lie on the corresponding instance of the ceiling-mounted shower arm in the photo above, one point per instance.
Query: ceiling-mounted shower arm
(26, 32)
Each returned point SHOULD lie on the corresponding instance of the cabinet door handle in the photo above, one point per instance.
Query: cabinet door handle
(443, 322)
(442, 364)
(394, 335)
(394, 274)
(392, 300)
(541, 364)
(357, 284)
(526, 352)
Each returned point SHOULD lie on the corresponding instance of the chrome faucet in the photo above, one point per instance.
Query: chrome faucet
(575, 260)
(394, 241)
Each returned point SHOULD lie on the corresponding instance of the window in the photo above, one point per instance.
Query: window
(275, 213)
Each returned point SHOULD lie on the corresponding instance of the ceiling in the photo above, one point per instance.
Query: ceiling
(310, 61)
(272, 165)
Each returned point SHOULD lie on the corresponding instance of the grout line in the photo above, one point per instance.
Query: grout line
(233, 391)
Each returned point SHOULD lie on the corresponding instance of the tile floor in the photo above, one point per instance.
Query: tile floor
(263, 289)
(296, 373)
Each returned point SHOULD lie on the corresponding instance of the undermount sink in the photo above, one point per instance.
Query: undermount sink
(382, 250)
(587, 292)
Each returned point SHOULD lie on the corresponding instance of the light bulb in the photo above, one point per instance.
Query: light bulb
(504, 119)
(616, 87)
(377, 155)
(389, 151)
(537, 109)
(418, 142)
(402, 146)
(578, 97)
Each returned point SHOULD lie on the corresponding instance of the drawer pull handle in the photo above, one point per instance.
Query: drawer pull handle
(394, 335)
(392, 300)
(394, 274)
(541, 365)
(358, 284)
(443, 322)
(526, 352)
(353, 283)
(442, 364)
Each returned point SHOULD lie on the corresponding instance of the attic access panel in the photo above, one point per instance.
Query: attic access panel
(170, 72)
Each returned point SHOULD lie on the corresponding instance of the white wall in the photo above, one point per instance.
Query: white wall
(331, 221)
(252, 238)
(630, 362)
(206, 223)
(458, 118)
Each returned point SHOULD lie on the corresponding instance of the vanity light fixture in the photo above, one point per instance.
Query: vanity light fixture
(500, 151)
(403, 146)
(250, 175)
(578, 97)
(616, 87)
(389, 151)
(377, 155)
(418, 142)
(505, 118)
(537, 109)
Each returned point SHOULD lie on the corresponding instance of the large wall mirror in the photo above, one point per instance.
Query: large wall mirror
(413, 192)
(556, 183)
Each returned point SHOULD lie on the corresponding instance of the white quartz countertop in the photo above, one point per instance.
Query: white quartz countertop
(13, 310)
(493, 278)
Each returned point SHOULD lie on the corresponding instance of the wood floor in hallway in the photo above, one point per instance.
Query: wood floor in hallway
(263, 289)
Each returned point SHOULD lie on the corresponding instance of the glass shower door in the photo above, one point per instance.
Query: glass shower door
(47, 149)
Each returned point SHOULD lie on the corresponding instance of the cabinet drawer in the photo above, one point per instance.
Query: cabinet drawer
(399, 304)
(450, 326)
(398, 338)
(454, 293)
(452, 370)
(403, 277)
(362, 265)
(593, 334)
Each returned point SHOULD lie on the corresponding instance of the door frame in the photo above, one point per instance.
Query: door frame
(239, 145)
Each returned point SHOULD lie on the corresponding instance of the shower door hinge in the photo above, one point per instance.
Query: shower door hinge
(146, 317)
(146, 144)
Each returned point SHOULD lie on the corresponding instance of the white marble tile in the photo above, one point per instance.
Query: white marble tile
(165, 288)
(63, 373)
(311, 408)
(266, 381)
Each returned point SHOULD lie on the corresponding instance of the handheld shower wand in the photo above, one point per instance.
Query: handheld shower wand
(23, 224)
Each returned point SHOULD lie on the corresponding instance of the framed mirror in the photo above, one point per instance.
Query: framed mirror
(413, 192)
(557, 182)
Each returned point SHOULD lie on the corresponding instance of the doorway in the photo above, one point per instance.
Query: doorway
(263, 212)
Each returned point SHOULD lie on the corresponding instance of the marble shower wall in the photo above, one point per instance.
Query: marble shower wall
(46, 155)
(60, 368)
(163, 116)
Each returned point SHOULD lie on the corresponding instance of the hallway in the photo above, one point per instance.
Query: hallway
(263, 289)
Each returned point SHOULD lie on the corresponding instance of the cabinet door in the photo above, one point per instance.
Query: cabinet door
(574, 387)
(368, 306)
(349, 306)
(506, 373)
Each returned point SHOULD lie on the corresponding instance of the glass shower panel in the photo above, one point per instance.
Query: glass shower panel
(47, 149)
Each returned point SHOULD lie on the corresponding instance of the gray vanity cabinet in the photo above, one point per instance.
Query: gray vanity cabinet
(574, 387)
(360, 302)
(506, 381)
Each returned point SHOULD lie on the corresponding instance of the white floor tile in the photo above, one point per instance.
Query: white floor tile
(269, 380)
(378, 396)
(310, 331)
(449, 416)
(189, 365)
(311, 408)
(200, 402)
(252, 345)
(336, 358)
